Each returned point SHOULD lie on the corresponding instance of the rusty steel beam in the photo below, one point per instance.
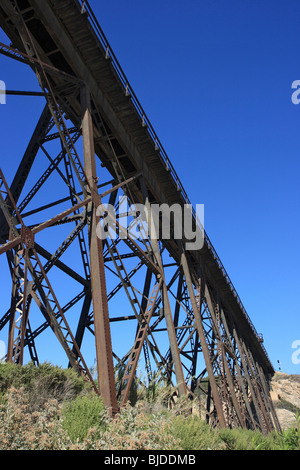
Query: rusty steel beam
(130, 370)
(98, 284)
(205, 349)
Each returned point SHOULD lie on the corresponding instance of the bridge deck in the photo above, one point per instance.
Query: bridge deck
(70, 38)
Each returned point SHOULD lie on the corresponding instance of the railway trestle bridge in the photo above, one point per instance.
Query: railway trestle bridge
(150, 301)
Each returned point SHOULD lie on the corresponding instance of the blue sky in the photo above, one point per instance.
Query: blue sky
(215, 79)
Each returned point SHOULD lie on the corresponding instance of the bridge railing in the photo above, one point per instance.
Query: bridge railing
(109, 54)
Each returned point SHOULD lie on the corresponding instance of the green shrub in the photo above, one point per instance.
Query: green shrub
(291, 436)
(10, 375)
(194, 433)
(82, 414)
(134, 429)
(41, 383)
(245, 439)
(236, 439)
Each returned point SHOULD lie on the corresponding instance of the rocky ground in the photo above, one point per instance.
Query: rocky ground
(285, 393)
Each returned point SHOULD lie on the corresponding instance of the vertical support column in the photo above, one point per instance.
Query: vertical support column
(205, 350)
(165, 297)
(170, 326)
(105, 367)
(250, 382)
(240, 381)
(258, 388)
(230, 388)
(269, 401)
(13, 306)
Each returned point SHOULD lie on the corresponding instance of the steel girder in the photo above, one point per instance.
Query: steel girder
(143, 299)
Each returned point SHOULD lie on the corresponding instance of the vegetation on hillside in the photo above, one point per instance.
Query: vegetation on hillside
(49, 408)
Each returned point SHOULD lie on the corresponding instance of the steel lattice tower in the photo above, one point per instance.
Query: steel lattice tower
(133, 299)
